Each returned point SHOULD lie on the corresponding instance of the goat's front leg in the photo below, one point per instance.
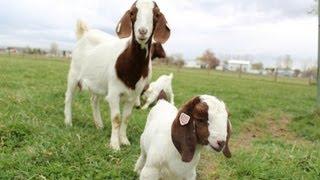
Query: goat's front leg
(127, 109)
(138, 102)
(114, 101)
(149, 172)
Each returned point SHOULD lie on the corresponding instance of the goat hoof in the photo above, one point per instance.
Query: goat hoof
(125, 141)
(99, 127)
(115, 146)
(68, 124)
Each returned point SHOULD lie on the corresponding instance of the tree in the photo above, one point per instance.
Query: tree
(285, 62)
(209, 59)
(178, 60)
(296, 72)
(54, 48)
(257, 66)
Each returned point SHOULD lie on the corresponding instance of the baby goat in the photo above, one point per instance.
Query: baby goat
(159, 89)
(172, 139)
(117, 69)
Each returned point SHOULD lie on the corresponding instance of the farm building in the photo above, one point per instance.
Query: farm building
(234, 65)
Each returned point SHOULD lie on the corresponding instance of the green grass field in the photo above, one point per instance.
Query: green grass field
(276, 129)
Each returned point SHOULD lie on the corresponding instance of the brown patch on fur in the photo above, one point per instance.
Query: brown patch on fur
(157, 51)
(116, 121)
(162, 95)
(146, 87)
(185, 138)
(161, 29)
(125, 25)
(132, 64)
(79, 85)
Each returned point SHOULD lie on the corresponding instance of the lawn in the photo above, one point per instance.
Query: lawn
(275, 126)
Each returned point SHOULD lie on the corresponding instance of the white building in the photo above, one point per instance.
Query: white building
(235, 65)
(192, 64)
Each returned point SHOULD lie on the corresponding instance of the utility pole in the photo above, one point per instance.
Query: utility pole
(318, 73)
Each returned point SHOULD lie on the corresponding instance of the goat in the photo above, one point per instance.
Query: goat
(159, 89)
(172, 140)
(114, 68)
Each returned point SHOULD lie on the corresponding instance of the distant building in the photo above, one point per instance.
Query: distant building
(285, 72)
(235, 65)
(192, 64)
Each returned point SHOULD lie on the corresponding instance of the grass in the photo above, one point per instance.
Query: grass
(275, 128)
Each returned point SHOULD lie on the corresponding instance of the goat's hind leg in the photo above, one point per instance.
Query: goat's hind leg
(72, 85)
(96, 111)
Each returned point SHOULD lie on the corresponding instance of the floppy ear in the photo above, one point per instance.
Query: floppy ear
(124, 27)
(161, 30)
(183, 136)
(157, 51)
(226, 150)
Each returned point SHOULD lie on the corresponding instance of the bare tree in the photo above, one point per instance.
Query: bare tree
(257, 66)
(296, 72)
(54, 48)
(178, 61)
(285, 62)
(209, 59)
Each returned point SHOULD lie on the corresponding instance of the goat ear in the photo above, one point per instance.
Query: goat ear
(183, 135)
(226, 150)
(157, 51)
(124, 27)
(162, 30)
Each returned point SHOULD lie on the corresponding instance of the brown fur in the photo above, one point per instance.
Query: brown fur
(162, 95)
(146, 87)
(185, 138)
(116, 121)
(132, 64)
(161, 30)
(157, 51)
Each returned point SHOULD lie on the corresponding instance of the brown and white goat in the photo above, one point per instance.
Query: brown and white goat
(117, 69)
(172, 139)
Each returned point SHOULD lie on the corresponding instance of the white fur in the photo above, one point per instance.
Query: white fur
(159, 158)
(164, 83)
(93, 65)
(144, 19)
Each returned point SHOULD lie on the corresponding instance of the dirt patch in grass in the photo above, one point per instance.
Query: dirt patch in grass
(263, 125)
(266, 125)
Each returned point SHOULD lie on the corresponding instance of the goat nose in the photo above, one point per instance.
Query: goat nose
(143, 31)
(221, 143)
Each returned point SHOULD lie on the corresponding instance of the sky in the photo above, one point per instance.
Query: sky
(265, 29)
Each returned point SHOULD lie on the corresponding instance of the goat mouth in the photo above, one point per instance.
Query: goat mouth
(216, 149)
(142, 39)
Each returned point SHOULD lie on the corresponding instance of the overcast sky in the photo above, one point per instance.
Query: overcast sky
(264, 28)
